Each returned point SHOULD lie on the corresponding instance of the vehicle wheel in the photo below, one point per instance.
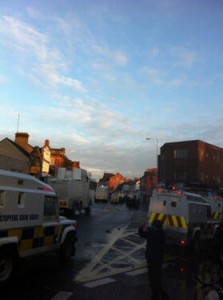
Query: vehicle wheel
(208, 270)
(6, 267)
(196, 244)
(76, 209)
(67, 249)
(88, 210)
(73, 210)
(208, 292)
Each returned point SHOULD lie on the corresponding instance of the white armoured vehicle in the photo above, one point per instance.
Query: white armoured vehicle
(74, 190)
(186, 217)
(30, 223)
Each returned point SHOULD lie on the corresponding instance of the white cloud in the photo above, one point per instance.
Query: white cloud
(120, 58)
(32, 45)
(3, 78)
(175, 82)
(73, 83)
(34, 13)
(183, 57)
(23, 37)
(154, 52)
(113, 56)
(154, 76)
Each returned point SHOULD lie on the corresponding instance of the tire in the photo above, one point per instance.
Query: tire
(208, 292)
(76, 209)
(208, 271)
(87, 210)
(195, 246)
(7, 266)
(67, 249)
(73, 210)
(137, 203)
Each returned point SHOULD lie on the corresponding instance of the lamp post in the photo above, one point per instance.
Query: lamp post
(157, 148)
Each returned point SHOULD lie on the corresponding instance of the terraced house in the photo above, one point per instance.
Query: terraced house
(20, 156)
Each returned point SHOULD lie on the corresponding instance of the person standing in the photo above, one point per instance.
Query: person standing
(155, 237)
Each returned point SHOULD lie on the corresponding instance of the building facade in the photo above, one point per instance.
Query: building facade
(148, 182)
(115, 180)
(191, 162)
(13, 157)
(20, 156)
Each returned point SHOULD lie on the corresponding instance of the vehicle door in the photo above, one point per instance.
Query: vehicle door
(51, 225)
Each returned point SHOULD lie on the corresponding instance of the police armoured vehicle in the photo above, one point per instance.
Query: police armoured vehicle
(186, 217)
(30, 223)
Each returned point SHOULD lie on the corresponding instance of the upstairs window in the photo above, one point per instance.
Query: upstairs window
(181, 153)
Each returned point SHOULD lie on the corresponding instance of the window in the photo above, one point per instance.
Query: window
(202, 176)
(21, 200)
(50, 206)
(196, 199)
(181, 175)
(209, 215)
(93, 185)
(2, 199)
(173, 204)
(181, 153)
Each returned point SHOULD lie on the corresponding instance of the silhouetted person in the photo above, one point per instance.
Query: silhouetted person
(154, 255)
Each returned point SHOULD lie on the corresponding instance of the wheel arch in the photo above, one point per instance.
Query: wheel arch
(67, 230)
(9, 246)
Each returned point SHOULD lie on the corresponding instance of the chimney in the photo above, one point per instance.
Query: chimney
(75, 164)
(47, 143)
(22, 138)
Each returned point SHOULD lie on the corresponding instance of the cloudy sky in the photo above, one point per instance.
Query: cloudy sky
(99, 76)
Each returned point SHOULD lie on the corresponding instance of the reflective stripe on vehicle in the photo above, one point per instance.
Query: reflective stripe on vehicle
(175, 221)
(34, 237)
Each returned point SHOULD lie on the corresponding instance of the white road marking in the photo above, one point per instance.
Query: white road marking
(62, 296)
(86, 273)
(137, 272)
(96, 283)
(122, 259)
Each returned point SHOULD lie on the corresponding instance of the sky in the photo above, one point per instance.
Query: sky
(99, 77)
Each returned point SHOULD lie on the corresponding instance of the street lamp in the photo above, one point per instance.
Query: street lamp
(157, 143)
(157, 147)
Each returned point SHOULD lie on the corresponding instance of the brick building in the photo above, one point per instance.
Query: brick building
(115, 180)
(112, 180)
(191, 162)
(148, 182)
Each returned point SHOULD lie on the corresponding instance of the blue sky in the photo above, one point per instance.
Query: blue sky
(99, 76)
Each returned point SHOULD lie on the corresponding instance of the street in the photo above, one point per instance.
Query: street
(109, 262)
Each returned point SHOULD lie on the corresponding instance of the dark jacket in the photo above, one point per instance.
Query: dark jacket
(155, 243)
